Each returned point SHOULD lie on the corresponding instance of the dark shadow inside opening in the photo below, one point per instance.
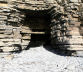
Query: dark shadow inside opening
(38, 21)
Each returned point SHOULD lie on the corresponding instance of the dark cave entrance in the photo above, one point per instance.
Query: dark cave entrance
(39, 23)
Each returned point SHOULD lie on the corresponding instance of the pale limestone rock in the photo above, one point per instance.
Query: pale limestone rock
(49, 1)
(74, 0)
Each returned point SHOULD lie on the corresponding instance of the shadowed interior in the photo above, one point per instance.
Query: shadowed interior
(38, 21)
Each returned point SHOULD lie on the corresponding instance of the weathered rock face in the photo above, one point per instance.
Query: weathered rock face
(19, 19)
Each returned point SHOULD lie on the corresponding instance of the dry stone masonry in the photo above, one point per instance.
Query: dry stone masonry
(18, 16)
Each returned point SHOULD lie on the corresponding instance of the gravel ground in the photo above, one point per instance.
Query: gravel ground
(39, 59)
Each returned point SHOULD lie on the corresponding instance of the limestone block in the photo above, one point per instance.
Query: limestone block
(50, 1)
(75, 0)
(27, 0)
(59, 1)
(6, 49)
(75, 15)
(3, 18)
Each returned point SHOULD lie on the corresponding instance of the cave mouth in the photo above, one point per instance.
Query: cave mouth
(39, 23)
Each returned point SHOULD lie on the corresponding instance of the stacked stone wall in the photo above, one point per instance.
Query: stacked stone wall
(66, 23)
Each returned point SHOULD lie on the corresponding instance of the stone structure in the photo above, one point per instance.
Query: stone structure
(21, 20)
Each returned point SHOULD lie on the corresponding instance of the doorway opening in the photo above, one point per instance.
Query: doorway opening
(39, 24)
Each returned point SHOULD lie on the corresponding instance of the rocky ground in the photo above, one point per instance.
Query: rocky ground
(39, 59)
